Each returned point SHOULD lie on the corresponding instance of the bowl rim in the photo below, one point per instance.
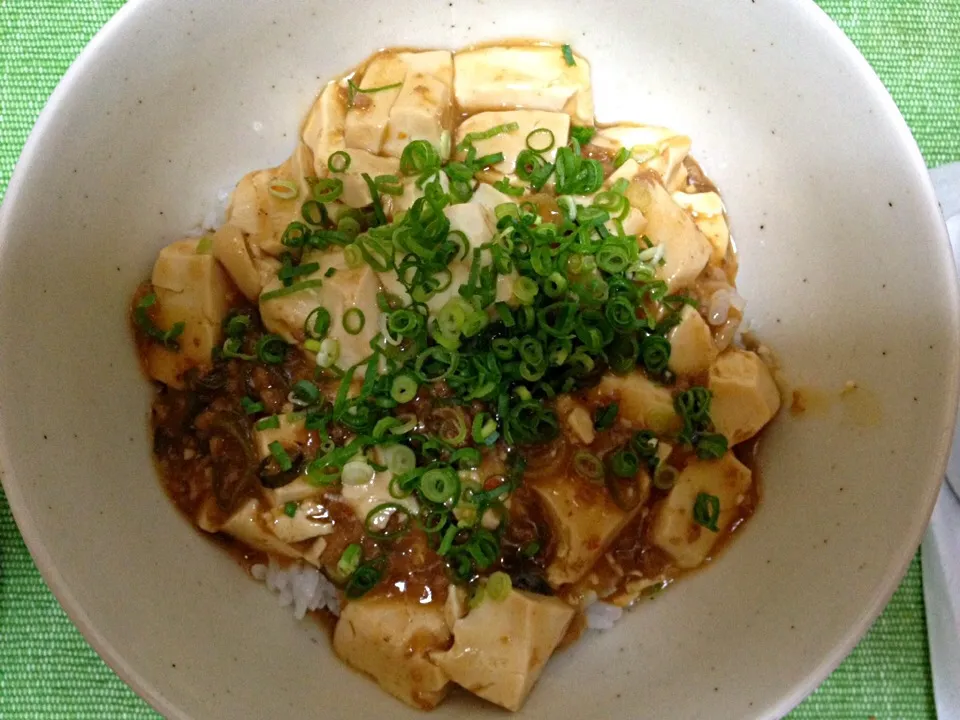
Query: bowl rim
(896, 567)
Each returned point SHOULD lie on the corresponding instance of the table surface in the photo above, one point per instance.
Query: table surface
(46, 668)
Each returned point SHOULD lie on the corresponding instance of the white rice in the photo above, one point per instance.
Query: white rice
(298, 585)
(602, 616)
(215, 217)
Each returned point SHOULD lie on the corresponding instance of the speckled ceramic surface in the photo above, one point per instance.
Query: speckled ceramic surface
(844, 264)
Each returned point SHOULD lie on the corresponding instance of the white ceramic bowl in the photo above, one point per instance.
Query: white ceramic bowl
(845, 266)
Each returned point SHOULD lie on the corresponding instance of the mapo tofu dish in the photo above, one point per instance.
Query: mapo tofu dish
(463, 373)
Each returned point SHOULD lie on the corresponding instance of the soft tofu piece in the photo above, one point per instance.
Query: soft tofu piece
(325, 125)
(390, 639)
(365, 497)
(231, 250)
(262, 216)
(531, 77)
(307, 523)
(356, 194)
(422, 110)
(675, 531)
(488, 197)
(513, 142)
(584, 520)
(247, 526)
(368, 118)
(633, 224)
(685, 249)
(295, 491)
(291, 433)
(191, 288)
(644, 405)
(707, 211)
(692, 348)
(500, 648)
(745, 395)
(347, 288)
(576, 419)
(653, 148)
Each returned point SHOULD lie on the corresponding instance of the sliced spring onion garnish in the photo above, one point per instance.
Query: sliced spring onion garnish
(588, 465)
(440, 485)
(380, 518)
(168, 338)
(711, 446)
(339, 161)
(541, 140)
(353, 89)
(404, 389)
(706, 511)
(400, 459)
(664, 477)
(353, 321)
(327, 190)
(350, 560)
(268, 423)
(357, 472)
(470, 138)
(251, 406)
(204, 245)
(280, 455)
(283, 189)
(568, 55)
(605, 416)
(271, 349)
(329, 353)
(317, 323)
(290, 289)
(498, 586)
(290, 509)
(365, 577)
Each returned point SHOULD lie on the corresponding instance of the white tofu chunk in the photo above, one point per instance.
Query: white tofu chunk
(232, 252)
(707, 211)
(346, 289)
(651, 148)
(576, 419)
(644, 405)
(745, 395)
(511, 143)
(674, 529)
(247, 526)
(260, 213)
(308, 522)
(365, 497)
(685, 249)
(191, 288)
(422, 110)
(633, 224)
(390, 640)
(367, 119)
(500, 647)
(356, 193)
(324, 128)
(584, 520)
(532, 77)
(692, 348)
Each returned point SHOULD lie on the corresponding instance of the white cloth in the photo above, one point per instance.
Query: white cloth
(940, 553)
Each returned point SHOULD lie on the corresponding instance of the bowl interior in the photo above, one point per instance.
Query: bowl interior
(844, 265)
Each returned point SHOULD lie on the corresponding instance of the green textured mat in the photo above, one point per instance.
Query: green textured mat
(46, 668)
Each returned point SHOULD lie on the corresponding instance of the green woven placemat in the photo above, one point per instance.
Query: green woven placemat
(46, 668)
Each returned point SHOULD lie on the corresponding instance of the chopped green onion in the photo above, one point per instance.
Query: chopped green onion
(711, 446)
(605, 416)
(403, 389)
(350, 560)
(280, 455)
(440, 485)
(621, 157)
(655, 353)
(353, 321)
(625, 463)
(375, 199)
(582, 134)
(664, 477)
(327, 190)
(329, 352)
(313, 212)
(400, 459)
(283, 189)
(290, 509)
(295, 235)
(541, 140)
(353, 89)
(588, 465)
(504, 186)
(305, 392)
(168, 338)
(290, 289)
(204, 245)
(706, 511)
(365, 578)
(525, 290)
(317, 323)
(271, 349)
(472, 137)
(339, 161)
(376, 515)
(311, 345)
(268, 423)
(498, 586)
(388, 184)
(250, 406)
(357, 472)
(231, 349)
(568, 55)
